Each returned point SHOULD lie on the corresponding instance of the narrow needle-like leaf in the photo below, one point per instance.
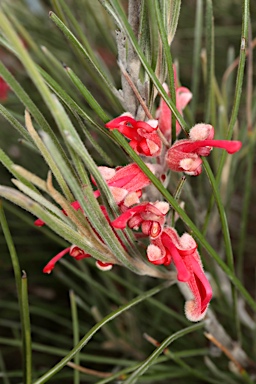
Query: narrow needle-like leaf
(26, 331)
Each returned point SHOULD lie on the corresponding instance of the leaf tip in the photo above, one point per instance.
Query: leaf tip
(24, 275)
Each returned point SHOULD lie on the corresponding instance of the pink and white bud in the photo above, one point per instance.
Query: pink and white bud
(103, 266)
(155, 255)
(201, 132)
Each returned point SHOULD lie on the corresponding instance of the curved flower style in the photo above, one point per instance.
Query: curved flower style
(164, 114)
(184, 155)
(144, 138)
(183, 251)
(150, 216)
(125, 183)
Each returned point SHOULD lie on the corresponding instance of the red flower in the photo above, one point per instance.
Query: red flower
(144, 138)
(74, 250)
(4, 89)
(125, 183)
(78, 254)
(183, 251)
(184, 155)
(150, 216)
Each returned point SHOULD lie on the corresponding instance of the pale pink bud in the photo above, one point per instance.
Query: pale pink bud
(155, 255)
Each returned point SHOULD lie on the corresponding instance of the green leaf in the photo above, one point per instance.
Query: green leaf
(84, 341)
(58, 226)
(110, 90)
(209, 112)
(196, 55)
(49, 159)
(152, 358)
(173, 9)
(16, 124)
(26, 330)
(123, 20)
(87, 95)
(75, 333)
(8, 164)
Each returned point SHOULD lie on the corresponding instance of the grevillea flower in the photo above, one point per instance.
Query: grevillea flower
(150, 216)
(164, 114)
(168, 247)
(184, 155)
(4, 89)
(75, 251)
(144, 138)
(78, 254)
(125, 183)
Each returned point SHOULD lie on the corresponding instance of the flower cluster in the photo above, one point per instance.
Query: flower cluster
(128, 183)
(166, 246)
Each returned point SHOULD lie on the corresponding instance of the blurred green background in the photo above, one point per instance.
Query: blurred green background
(49, 295)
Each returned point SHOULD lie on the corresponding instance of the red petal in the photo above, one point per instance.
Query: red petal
(121, 221)
(182, 271)
(39, 223)
(200, 287)
(115, 123)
